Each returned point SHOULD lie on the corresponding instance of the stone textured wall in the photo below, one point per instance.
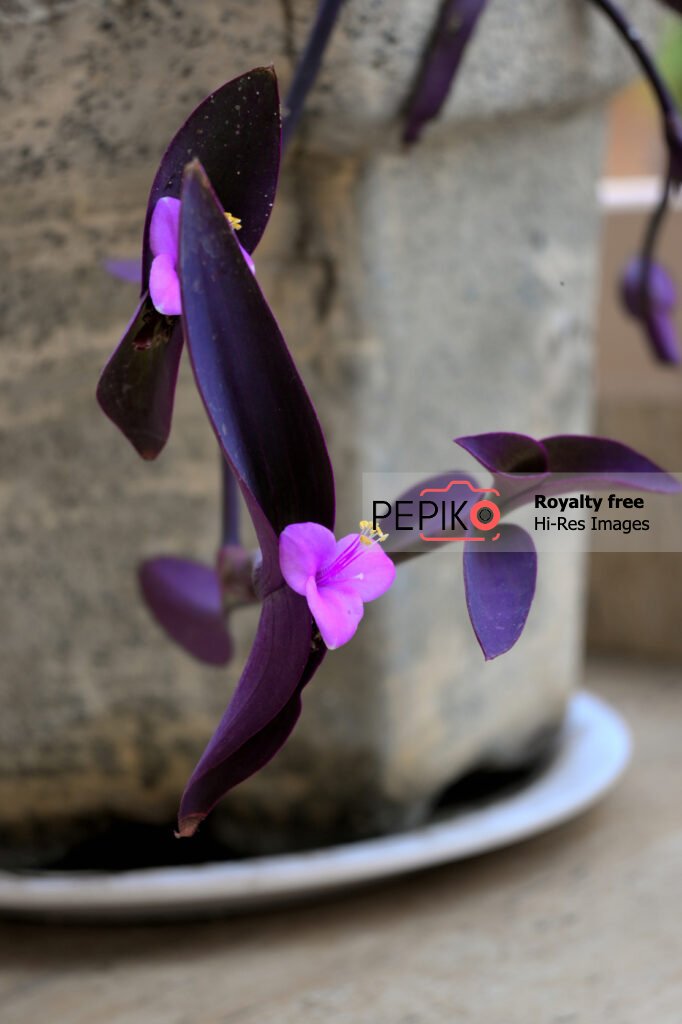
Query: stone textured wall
(427, 294)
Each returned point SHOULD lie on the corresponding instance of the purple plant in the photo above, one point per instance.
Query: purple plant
(500, 581)
(235, 133)
(647, 290)
(198, 290)
(271, 439)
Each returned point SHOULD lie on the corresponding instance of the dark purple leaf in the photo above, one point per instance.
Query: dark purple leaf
(506, 452)
(235, 133)
(263, 710)
(570, 462)
(137, 386)
(254, 397)
(663, 336)
(649, 295)
(185, 599)
(272, 441)
(601, 461)
(513, 459)
(499, 581)
(454, 28)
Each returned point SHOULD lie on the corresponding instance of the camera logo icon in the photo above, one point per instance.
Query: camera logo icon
(483, 515)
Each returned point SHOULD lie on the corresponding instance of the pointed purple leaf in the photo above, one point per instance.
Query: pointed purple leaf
(185, 599)
(649, 295)
(263, 710)
(257, 404)
(523, 467)
(499, 581)
(236, 135)
(454, 28)
(506, 453)
(513, 459)
(137, 385)
(663, 336)
(272, 441)
(602, 461)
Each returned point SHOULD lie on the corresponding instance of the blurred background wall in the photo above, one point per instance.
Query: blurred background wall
(635, 600)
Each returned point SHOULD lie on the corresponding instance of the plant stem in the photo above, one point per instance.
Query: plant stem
(230, 506)
(651, 237)
(309, 65)
(655, 223)
(635, 44)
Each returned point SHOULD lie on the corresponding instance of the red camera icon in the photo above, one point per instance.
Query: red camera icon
(484, 514)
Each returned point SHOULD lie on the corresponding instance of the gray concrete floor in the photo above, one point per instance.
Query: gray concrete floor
(580, 926)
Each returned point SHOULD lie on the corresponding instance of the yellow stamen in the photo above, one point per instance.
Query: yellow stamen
(234, 222)
(371, 533)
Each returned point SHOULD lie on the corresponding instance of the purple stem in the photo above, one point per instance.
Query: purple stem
(635, 44)
(650, 238)
(230, 503)
(309, 65)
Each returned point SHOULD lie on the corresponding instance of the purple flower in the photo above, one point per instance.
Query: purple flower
(335, 577)
(649, 295)
(164, 235)
(164, 232)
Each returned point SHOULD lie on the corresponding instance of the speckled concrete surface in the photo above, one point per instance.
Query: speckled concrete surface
(580, 926)
(95, 80)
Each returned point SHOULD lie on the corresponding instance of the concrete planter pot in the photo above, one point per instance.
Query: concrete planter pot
(447, 290)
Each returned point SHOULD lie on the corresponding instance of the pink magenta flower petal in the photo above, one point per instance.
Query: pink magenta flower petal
(335, 577)
(164, 230)
(164, 286)
(371, 571)
(303, 549)
(337, 610)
